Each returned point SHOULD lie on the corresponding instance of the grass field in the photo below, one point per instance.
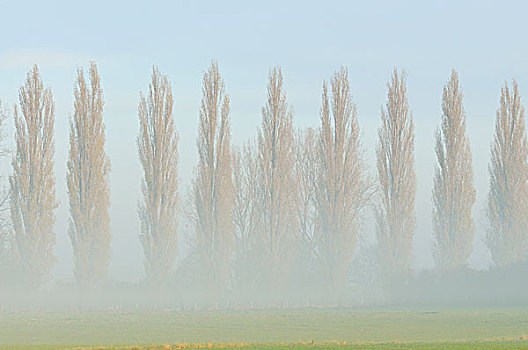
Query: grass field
(293, 346)
(305, 329)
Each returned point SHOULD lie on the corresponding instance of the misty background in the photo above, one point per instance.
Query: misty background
(483, 40)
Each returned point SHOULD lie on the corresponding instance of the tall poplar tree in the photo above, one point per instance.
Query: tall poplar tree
(88, 182)
(395, 216)
(277, 191)
(453, 189)
(158, 153)
(507, 206)
(213, 185)
(343, 188)
(32, 182)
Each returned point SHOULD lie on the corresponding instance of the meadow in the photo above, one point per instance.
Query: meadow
(267, 329)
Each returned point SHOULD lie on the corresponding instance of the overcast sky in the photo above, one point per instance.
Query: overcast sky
(486, 41)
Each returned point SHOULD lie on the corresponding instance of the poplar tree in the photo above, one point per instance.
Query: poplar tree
(277, 191)
(453, 189)
(87, 179)
(507, 206)
(32, 182)
(343, 188)
(395, 216)
(213, 185)
(158, 153)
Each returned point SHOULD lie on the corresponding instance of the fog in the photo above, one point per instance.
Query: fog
(121, 125)
(307, 57)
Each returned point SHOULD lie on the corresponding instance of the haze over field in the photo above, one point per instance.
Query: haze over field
(310, 42)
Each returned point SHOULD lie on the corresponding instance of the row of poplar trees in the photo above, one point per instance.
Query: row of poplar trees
(284, 199)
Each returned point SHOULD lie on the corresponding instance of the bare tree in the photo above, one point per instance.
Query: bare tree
(245, 214)
(453, 190)
(507, 207)
(213, 187)
(87, 175)
(395, 217)
(158, 153)
(32, 183)
(277, 192)
(343, 188)
(306, 170)
(5, 229)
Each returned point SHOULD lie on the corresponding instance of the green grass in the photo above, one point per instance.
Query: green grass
(440, 329)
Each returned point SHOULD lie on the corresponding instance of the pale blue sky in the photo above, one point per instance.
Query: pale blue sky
(486, 41)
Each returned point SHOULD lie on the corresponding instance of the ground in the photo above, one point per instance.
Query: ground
(294, 329)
